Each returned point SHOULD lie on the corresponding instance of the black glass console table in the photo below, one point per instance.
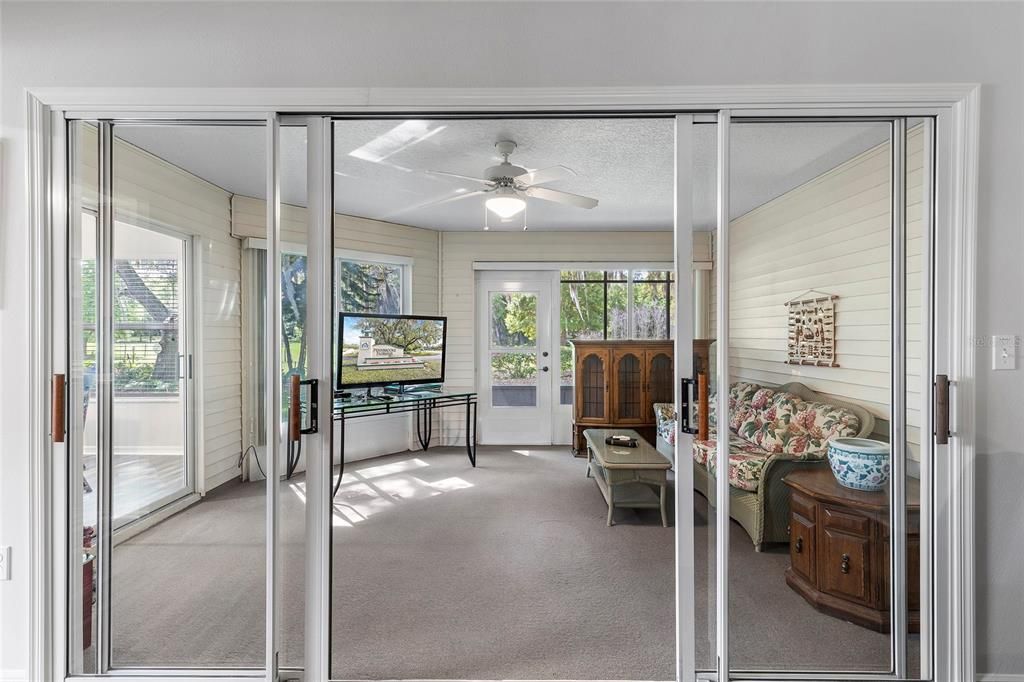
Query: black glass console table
(423, 403)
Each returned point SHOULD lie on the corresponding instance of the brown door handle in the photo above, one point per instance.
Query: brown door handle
(58, 390)
(799, 545)
(844, 565)
(294, 416)
(941, 409)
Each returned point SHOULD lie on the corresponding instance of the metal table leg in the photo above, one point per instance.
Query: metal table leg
(341, 459)
(471, 430)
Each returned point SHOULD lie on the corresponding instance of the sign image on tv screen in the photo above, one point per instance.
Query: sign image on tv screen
(377, 350)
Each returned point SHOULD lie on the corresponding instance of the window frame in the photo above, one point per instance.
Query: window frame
(630, 281)
(404, 263)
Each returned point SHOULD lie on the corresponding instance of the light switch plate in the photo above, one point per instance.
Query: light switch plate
(1004, 352)
(5, 562)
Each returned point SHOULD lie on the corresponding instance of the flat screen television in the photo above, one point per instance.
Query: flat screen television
(381, 350)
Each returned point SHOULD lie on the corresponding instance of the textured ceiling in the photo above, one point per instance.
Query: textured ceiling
(627, 164)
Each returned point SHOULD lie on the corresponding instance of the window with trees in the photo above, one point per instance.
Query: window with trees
(612, 304)
(148, 289)
(360, 286)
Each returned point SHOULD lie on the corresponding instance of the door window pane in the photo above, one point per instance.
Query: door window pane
(208, 558)
(514, 379)
(513, 320)
(811, 566)
(83, 445)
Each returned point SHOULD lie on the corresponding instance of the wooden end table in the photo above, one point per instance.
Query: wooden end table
(839, 549)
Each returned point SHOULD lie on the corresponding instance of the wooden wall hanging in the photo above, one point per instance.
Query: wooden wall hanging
(812, 330)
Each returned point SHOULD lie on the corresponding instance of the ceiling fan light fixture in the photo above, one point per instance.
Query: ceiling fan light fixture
(505, 204)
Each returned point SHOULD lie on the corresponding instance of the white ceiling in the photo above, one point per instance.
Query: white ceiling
(627, 164)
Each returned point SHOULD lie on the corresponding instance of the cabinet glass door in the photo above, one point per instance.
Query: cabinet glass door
(629, 395)
(592, 378)
(660, 382)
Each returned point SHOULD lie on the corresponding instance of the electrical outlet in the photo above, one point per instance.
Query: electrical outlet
(5, 562)
(1004, 352)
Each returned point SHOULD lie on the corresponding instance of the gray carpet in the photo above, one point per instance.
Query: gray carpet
(506, 571)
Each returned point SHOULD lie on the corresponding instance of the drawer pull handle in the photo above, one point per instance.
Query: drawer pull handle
(799, 545)
(844, 566)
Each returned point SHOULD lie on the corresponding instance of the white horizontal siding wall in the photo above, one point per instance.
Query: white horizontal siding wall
(149, 189)
(459, 250)
(831, 234)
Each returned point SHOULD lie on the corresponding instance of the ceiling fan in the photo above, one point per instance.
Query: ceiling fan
(508, 185)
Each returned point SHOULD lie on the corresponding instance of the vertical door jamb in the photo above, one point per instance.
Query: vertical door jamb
(273, 380)
(686, 657)
(57, 257)
(320, 448)
(722, 372)
(104, 388)
(898, 411)
(927, 448)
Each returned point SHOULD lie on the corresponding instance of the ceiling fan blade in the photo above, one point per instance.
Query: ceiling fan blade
(481, 181)
(438, 202)
(560, 197)
(550, 174)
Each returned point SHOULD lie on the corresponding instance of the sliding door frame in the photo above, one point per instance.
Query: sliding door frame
(955, 106)
(899, 617)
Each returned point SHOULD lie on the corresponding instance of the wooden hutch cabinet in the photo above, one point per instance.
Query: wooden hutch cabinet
(617, 384)
(839, 549)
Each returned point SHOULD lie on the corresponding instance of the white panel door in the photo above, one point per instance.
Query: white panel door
(516, 358)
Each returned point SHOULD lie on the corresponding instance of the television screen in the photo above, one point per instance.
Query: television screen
(377, 350)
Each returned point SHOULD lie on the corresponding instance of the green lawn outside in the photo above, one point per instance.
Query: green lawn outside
(352, 375)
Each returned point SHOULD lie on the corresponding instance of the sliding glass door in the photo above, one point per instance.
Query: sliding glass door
(217, 523)
(155, 437)
(821, 369)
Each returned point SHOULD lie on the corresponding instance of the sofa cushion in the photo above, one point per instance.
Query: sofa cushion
(740, 396)
(665, 418)
(764, 422)
(746, 462)
(804, 428)
(703, 450)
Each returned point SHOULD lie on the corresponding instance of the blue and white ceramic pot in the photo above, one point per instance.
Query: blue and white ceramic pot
(859, 463)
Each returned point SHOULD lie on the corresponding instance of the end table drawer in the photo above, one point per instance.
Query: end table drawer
(801, 546)
(845, 521)
(845, 566)
(803, 506)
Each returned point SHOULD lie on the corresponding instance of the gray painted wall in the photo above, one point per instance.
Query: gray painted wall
(534, 44)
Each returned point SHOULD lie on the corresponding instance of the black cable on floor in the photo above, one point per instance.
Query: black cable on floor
(241, 459)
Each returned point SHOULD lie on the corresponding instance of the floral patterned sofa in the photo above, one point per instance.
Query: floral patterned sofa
(772, 431)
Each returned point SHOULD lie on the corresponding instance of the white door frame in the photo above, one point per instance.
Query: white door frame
(956, 107)
(561, 415)
(545, 285)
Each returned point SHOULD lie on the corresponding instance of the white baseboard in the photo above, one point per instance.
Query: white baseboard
(999, 677)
